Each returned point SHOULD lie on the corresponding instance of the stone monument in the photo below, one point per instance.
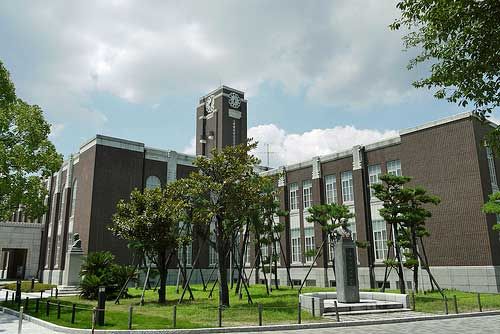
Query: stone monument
(74, 260)
(346, 266)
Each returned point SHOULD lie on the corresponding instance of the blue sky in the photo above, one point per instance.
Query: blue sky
(319, 76)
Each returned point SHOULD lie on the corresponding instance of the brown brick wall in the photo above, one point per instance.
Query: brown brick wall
(444, 160)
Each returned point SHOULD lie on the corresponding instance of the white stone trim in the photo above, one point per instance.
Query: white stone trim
(113, 142)
(441, 121)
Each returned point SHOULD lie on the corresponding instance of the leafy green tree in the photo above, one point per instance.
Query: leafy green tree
(461, 41)
(151, 219)
(406, 210)
(228, 178)
(413, 227)
(26, 154)
(330, 216)
(267, 232)
(395, 198)
(493, 207)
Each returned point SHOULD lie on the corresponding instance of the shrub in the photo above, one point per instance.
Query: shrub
(99, 269)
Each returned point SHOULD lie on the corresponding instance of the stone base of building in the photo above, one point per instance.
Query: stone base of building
(467, 278)
(474, 279)
(54, 276)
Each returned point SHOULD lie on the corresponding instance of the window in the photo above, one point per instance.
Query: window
(189, 255)
(380, 239)
(394, 167)
(295, 235)
(331, 249)
(264, 251)
(331, 189)
(294, 188)
(352, 226)
(309, 241)
(306, 190)
(374, 172)
(212, 253)
(153, 182)
(73, 198)
(492, 170)
(347, 192)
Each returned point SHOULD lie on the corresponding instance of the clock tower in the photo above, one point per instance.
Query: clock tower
(221, 120)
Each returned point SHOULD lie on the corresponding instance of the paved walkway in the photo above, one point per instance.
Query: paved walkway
(9, 323)
(31, 295)
(476, 325)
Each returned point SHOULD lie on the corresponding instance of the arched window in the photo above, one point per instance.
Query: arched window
(153, 182)
(73, 198)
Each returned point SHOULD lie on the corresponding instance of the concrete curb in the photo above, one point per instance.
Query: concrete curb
(317, 325)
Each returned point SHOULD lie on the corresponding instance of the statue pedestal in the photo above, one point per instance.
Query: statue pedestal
(74, 260)
(346, 271)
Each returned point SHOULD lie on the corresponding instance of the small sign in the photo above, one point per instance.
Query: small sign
(234, 113)
(350, 262)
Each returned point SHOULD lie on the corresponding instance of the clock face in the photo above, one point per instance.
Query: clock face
(210, 104)
(234, 100)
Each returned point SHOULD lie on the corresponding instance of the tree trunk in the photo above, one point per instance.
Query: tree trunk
(415, 256)
(162, 269)
(275, 258)
(222, 251)
(402, 286)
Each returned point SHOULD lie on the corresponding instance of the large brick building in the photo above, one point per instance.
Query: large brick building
(447, 157)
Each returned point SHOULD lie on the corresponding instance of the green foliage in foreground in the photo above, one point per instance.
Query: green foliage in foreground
(26, 286)
(280, 307)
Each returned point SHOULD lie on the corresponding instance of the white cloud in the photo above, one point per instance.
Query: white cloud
(338, 53)
(287, 148)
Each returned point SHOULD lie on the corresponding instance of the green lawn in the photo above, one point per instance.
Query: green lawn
(26, 286)
(466, 302)
(280, 307)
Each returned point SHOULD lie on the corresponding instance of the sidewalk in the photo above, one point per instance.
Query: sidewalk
(9, 324)
(30, 295)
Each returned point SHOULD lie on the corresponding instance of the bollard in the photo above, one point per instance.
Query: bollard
(130, 309)
(174, 317)
(413, 301)
(37, 305)
(220, 316)
(26, 301)
(101, 304)
(73, 313)
(455, 304)
(58, 310)
(260, 314)
(299, 314)
(47, 309)
(313, 308)
(52, 292)
(445, 305)
(479, 302)
(20, 326)
(32, 284)
(337, 316)
(41, 294)
(6, 295)
(57, 293)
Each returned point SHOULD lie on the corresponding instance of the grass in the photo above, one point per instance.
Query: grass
(279, 308)
(432, 302)
(26, 286)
